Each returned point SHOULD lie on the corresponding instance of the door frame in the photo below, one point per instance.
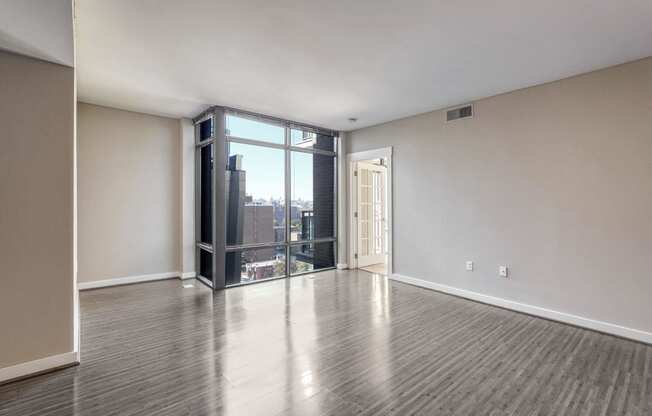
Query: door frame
(372, 257)
(351, 159)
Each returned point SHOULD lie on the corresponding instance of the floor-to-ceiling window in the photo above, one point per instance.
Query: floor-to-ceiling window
(204, 162)
(279, 197)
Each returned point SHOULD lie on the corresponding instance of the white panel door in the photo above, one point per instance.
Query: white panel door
(371, 213)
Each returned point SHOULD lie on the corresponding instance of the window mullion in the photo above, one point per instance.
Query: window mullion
(288, 199)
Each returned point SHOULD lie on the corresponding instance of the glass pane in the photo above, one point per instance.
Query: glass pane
(206, 264)
(206, 194)
(254, 265)
(307, 139)
(206, 129)
(256, 130)
(255, 194)
(312, 209)
(315, 256)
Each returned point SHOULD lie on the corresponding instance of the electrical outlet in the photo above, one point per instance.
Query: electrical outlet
(502, 271)
(469, 266)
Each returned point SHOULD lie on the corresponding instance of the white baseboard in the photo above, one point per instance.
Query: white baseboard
(187, 275)
(606, 327)
(38, 366)
(117, 281)
(342, 266)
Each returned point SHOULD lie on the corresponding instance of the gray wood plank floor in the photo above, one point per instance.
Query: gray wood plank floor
(333, 343)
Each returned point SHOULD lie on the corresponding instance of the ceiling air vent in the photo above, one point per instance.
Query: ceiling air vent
(459, 113)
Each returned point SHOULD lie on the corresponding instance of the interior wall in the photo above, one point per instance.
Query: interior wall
(554, 181)
(37, 107)
(187, 198)
(128, 194)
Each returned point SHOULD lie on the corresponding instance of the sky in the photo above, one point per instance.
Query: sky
(265, 166)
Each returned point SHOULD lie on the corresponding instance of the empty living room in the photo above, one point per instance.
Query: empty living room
(303, 207)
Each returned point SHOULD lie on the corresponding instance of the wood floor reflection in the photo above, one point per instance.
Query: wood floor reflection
(379, 268)
(333, 343)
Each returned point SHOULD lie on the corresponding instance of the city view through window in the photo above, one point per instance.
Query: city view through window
(256, 201)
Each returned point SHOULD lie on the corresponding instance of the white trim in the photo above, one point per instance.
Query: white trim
(370, 154)
(353, 223)
(600, 326)
(187, 275)
(38, 366)
(371, 258)
(117, 281)
(384, 152)
(342, 266)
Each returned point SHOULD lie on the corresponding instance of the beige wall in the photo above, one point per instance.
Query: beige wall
(554, 181)
(37, 106)
(128, 194)
(187, 200)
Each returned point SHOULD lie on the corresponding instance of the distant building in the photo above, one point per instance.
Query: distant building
(258, 224)
(307, 228)
(323, 208)
(247, 222)
(236, 180)
(279, 232)
(260, 270)
(259, 228)
(252, 222)
(295, 212)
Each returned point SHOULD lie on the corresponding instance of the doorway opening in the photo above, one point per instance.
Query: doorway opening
(370, 211)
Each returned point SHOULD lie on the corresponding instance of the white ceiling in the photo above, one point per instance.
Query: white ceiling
(322, 62)
(38, 28)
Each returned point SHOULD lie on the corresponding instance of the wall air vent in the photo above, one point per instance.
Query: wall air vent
(458, 113)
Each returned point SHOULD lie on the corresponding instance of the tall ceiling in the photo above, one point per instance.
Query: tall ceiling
(323, 62)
